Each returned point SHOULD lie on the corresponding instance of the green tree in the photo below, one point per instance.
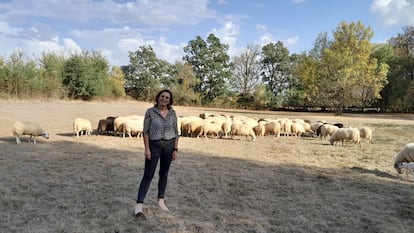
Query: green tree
(346, 74)
(384, 55)
(211, 64)
(86, 76)
(117, 81)
(3, 78)
(276, 67)
(51, 69)
(306, 80)
(399, 93)
(20, 76)
(184, 85)
(144, 73)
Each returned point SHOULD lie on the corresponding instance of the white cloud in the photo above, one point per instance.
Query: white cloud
(71, 47)
(261, 27)
(168, 52)
(228, 35)
(266, 39)
(394, 12)
(292, 41)
(160, 12)
(7, 30)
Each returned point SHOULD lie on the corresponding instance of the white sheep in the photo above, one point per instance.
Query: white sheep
(28, 128)
(297, 129)
(239, 129)
(226, 127)
(285, 126)
(132, 126)
(272, 128)
(260, 128)
(316, 125)
(211, 128)
(195, 126)
(328, 130)
(80, 125)
(346, 134)
(366, 133)
(406, 155)
(184, 125)
(408, 166)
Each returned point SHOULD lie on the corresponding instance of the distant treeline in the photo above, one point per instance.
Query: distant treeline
(343, 72)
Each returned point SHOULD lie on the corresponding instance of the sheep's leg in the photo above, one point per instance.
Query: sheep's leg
(34, 140)
(18, 140)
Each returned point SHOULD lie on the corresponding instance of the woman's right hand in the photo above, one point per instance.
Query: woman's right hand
(148, 154)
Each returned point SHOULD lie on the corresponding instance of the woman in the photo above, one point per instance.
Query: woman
(161, 143)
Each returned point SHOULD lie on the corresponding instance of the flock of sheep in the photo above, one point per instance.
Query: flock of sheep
(224, 126)
(212, 125)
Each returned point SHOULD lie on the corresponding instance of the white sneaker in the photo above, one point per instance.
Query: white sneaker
(138, 209)
(162, 204)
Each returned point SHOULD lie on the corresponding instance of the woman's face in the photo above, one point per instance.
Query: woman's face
(164, 99)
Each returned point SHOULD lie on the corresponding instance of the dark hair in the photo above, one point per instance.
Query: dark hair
(159, 94)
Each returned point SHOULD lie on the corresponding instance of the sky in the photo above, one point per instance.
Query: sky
(116, 27)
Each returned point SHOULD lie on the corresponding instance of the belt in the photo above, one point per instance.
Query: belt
(162, 140)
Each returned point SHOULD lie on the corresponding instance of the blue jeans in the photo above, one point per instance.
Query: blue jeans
(162, 151)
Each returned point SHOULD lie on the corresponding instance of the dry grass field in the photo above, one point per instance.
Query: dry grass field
(284, 184)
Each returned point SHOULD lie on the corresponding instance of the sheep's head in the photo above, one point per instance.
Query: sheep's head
(397, 167)
(45, 135)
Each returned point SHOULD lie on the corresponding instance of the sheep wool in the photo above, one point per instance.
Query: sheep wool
(28, 128)
(366, 133)
(80, 125)
(346, 134)
(408, 166)
(405, 155)
(239, 129)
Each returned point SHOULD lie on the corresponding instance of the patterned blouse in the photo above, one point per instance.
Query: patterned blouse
(157, 127)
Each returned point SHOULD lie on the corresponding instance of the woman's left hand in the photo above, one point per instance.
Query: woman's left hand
(174, 157)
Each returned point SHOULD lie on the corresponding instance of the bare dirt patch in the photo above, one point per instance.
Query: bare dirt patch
(284, 184)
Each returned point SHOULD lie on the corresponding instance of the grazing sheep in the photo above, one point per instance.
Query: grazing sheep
(195, 126)
(348, 134)
(328, 130)
(366, 133)
(316, 128)
(239, 129)
(110, 124)
(273, 128)
(319, 129)
(103, 126)
(210, 128)
(260, 128)
(408, 166)
(406, 155)
(297, 129)
(133, 126)
(80, 125)
(28, 128)
(285, 126)
(184, 125)
(226, 127)
(119, 122)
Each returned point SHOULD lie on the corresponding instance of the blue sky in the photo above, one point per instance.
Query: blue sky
(114, 27)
